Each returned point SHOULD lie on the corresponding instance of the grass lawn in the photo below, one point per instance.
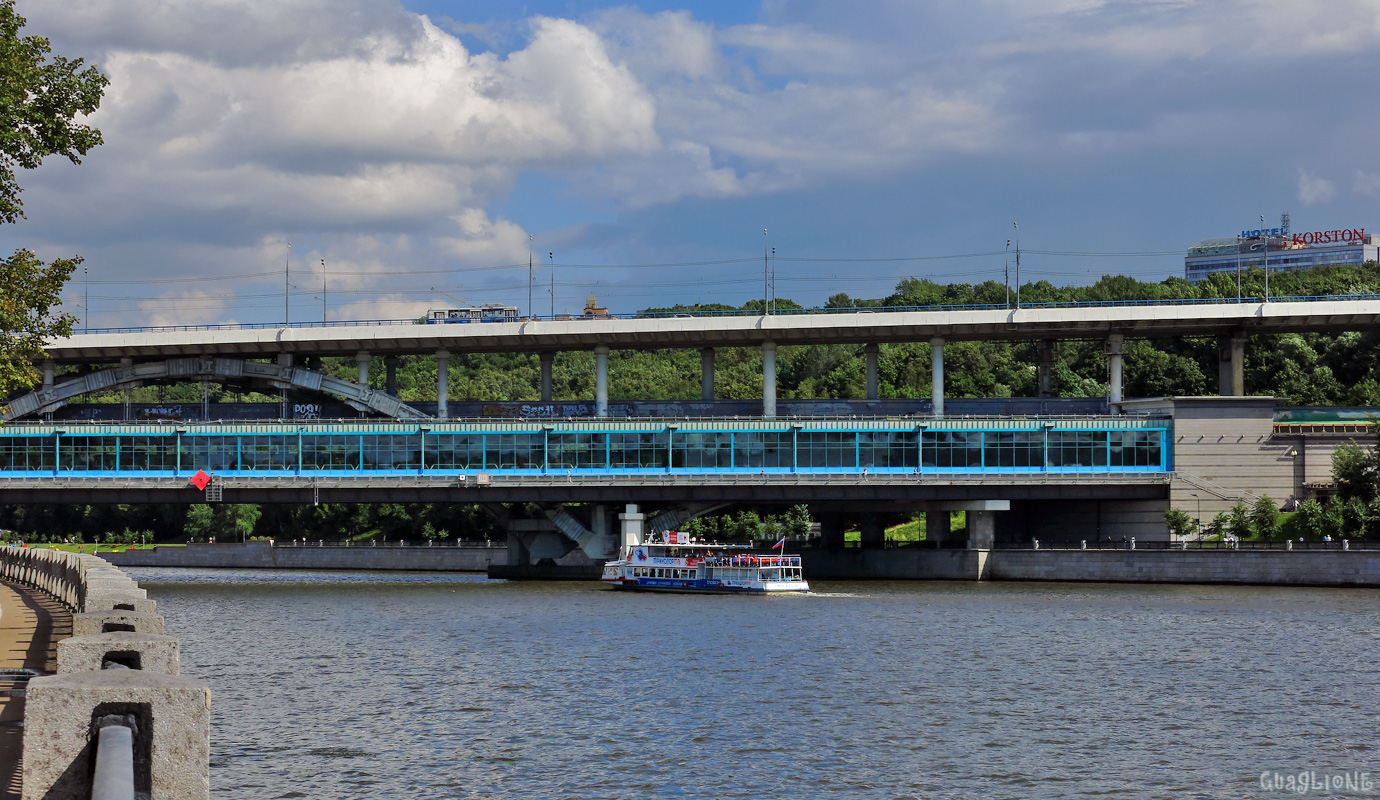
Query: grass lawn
(102, 548)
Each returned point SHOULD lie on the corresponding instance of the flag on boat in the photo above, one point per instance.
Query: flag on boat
(781, 544)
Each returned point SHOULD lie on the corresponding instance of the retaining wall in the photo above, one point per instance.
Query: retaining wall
(1273, 567)
(263, 555)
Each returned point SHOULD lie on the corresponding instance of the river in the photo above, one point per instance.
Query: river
(428, 685)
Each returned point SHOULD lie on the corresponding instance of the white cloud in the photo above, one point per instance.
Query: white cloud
(1313, 189)
(1367, 183)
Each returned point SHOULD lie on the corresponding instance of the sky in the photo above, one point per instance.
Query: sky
(382, 158)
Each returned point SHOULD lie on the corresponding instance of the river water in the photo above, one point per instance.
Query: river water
(387, 685)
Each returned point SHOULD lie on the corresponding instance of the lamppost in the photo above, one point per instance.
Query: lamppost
(552, 257)
(1267, 257)
(1198, 515)
(765, 294)
(323, 290)
(1018, 263)
(532, 312)
(287, 258)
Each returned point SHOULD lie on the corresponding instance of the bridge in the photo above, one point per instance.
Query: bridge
(225, 353)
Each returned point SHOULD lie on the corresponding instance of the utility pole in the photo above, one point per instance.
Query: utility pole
(1018, 264)
(1006, 273)
(287, 257)
(552, 256)
(1267, 257)
(765, 308)
(86, 306)
(530, 311)
(773, 278)
(323, 290)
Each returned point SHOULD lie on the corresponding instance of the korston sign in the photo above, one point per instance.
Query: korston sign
(1330, 237)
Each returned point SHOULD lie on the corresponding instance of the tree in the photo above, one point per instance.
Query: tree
(1356, 471)
(41, 101)
(1181, 524)
(1239, 520)
(1265, 518)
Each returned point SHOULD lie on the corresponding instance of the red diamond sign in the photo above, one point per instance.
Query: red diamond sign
(201, 479)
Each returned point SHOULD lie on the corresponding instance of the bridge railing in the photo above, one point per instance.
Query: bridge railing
(783, 312)
(1248, 546)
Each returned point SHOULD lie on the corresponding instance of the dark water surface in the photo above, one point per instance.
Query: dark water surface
(344, 685)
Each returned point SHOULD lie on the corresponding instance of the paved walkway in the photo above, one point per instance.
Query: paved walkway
(31, 623)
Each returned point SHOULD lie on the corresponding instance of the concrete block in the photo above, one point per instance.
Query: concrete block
(152, 652)
(171, 743)
(101, 622)
(106, 601)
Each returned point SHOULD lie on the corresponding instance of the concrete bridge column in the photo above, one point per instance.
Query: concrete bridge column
(937, 525)
(126, 363)
(546, 360)
(390, 375)
(870, 356)
(982, 529)
(1231, 365)
(706, 373)
(362, 361)
(48, 370)
(601, 381)
(630, 527)
(1114, 343)
(1045, 370)
(937, 375)
(831, 531)
(769, 380)
(518, 554)
(442, 383)
(873, 534)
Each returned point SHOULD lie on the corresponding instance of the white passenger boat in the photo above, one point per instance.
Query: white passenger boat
(675, 564)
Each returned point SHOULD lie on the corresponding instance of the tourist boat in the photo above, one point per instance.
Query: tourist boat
(676, 564)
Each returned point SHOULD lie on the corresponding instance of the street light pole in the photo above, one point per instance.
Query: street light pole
(530, 311)
(1267, 258)
(323, 290)
(552, 256)
(765, 309)
(287, 257)
(1018, 263)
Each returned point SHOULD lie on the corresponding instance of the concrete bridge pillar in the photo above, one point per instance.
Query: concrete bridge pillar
(937, 375)
(769, 380)
(937, 525)
(706, 373)
(873, 534)
(601, 381)
(1114, 343)
(546, 360)
(362, 362)
(390, 375)
(1045, 370)
(442, 383)
(126, 363)
(48, 370)
(518, 554)
(831, 531)
(630, 527)
(870, 356)
(982, 529)
(1231, 365)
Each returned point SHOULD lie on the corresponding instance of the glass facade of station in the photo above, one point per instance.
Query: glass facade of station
(1088, 445)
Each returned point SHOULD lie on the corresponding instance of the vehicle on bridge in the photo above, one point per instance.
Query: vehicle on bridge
(677, 565)
(489, 312)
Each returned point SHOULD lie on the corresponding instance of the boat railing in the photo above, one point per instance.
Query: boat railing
(751, 561)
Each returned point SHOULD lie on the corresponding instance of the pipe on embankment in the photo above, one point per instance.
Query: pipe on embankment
(117, 671)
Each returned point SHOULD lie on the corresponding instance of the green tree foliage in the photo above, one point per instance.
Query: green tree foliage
(1181, 524)
(227, 522)
(1264, 518)
(1239, 520)
(1356, 471)
(42, 98)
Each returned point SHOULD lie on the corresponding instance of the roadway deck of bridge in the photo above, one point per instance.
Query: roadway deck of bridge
(31, 624)
(1084, 322)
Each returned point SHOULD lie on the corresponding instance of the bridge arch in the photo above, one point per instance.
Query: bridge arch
(219, 370)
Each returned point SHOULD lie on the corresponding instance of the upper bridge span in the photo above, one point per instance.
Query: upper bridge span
(851, 326)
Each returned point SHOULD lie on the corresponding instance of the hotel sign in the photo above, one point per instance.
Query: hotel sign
(1330, 237)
